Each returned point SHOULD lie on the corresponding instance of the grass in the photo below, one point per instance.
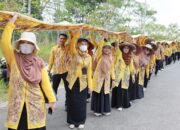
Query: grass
(1, 55)
(3, 91)
(45, 50)
(3, 88)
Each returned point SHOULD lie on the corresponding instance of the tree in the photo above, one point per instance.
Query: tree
(114, 15)
(103, 16)
(80, 9)
(33, 8)
(173, 32)
(10, 5)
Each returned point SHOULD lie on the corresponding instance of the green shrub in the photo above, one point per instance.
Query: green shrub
(45, 50)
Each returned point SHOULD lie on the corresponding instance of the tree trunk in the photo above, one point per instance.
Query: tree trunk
(29, 7)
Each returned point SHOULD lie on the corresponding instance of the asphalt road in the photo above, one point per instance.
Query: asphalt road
(159, 110)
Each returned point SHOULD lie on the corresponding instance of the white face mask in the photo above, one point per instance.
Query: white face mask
(26, 48)
(83, 48)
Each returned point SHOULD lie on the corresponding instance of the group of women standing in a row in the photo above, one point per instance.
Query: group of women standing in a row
(84, 65)
(167, 53)
(100, 66)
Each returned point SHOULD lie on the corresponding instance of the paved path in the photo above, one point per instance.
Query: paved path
(159, 110)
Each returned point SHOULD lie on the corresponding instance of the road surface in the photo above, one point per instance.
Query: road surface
(159, 110)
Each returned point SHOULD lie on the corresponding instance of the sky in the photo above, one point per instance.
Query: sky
(168, 11)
